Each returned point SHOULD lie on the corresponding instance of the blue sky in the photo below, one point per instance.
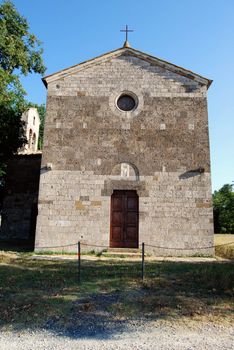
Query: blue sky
(197, 35)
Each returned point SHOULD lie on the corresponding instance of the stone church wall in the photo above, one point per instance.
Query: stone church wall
(174, 210)
(165, 138)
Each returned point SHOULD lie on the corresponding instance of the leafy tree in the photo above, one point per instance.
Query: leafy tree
(42, 112)
(223, 203)
(11, 132)
(20, 53)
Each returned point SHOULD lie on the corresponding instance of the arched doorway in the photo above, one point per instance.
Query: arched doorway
(124, 219)
(34, 148)
(30, 139)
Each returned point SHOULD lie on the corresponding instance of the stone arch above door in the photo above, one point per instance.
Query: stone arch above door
(125, 171)
(125, 176)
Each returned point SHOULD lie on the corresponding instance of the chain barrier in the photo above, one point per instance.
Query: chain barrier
(95, 245)
(194, 248)
(143, 246)
(58, 246)
(146, 244)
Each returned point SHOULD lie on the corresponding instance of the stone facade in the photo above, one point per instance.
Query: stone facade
(164, 141)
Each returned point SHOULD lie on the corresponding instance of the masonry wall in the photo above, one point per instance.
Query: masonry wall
(175, 211)
(165, 138)
(18, 217)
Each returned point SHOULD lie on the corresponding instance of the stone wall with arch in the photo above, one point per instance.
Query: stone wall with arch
(125, 171)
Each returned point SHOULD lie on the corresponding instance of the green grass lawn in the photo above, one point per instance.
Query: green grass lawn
(33, 292)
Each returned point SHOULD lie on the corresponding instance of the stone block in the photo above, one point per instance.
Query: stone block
(79, 205)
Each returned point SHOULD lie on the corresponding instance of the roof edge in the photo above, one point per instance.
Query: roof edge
(170, 66)
(79, 64)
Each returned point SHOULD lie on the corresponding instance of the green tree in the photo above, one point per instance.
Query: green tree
(223, 203)
(20, 53)
(42, 112)
(11, 133)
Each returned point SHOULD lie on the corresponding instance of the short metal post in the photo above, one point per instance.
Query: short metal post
(78, 256)
(143, 261)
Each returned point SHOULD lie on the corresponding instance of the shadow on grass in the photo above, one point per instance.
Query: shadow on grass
(41, 294)
(17, 245)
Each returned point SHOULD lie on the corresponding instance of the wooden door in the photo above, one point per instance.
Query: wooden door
(124, 219)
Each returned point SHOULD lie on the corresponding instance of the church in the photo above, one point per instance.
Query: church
(126, 157)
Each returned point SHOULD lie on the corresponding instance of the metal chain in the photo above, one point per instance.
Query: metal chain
(148, 245)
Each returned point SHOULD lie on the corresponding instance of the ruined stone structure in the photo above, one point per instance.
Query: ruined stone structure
(32, 125)
(20, 197)
(126, 156)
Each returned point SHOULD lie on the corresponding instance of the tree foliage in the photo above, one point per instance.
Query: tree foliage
(19, 49)
(223, 203)
(42, 112)
(20, 53)
(11, 132)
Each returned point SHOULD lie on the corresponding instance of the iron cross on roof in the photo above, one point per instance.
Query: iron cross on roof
(126, 30)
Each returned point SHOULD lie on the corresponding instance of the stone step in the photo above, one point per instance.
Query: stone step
(124, 250)
(133, 252)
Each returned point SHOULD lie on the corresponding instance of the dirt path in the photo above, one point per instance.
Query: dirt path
(138, 258)
(135, 336)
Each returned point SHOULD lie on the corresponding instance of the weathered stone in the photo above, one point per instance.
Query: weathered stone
(19, 212)
(79, 205)
(96, 203)
(45, 201)
(164, 141)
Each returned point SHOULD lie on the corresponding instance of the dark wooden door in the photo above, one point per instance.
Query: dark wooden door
(124, 219)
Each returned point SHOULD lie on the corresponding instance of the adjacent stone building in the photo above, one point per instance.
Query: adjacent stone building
(18, 207)
(126, 157)
(32, 122)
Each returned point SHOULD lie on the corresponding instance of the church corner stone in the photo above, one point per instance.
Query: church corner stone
(156, 149)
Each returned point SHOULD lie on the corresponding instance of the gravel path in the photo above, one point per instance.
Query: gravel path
(136, 336)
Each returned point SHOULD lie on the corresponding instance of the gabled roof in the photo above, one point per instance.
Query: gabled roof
(127, 51)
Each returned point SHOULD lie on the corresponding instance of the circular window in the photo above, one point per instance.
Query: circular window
(126, 103)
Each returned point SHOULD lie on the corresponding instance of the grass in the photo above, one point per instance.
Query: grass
(225, 251)
(59, 252)
(35, 292)
(52, 252)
